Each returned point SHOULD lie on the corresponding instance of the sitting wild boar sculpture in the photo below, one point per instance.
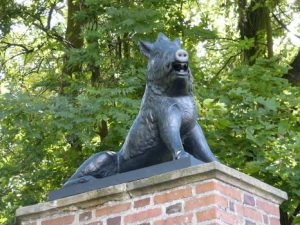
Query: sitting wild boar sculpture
(166, 127)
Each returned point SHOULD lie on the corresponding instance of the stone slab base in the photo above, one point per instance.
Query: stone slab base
(204, 194)
(124, 177)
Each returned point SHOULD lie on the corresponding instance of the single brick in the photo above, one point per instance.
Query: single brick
(144, 224)
(205, 187)
(229, 191)
(174, 208)
(229, 218)
(274, 221)
(177, 220)
(206, 201)
(248, 222)
(85, 216)
(249, 200)
(214, 185)
(112, 209)
(140, 216)
(114, 221)
(64, 220)
(141, 203)
(250, 213)
(173, 195)
(214, 213)
(95, 223)
(231, 206)
(268, 207)
(266, 219)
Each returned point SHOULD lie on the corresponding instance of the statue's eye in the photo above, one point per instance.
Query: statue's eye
(155, 53)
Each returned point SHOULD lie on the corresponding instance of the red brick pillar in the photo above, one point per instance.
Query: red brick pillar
(207, 194)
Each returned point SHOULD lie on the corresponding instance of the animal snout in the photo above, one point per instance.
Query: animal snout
(181, 56)
(181, 62)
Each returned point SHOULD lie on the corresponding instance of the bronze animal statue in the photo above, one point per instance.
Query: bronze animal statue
(166, 126)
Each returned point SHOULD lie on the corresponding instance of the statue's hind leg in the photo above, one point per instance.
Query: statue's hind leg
(196, 144)
(99, 165)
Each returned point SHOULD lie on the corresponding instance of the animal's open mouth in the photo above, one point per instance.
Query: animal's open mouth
(181, 68)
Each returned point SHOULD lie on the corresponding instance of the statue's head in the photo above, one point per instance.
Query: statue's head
(168, 64)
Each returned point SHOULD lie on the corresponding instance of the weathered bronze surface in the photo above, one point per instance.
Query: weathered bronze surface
(166, 127)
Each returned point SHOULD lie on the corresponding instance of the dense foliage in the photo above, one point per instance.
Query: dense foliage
(72, 79)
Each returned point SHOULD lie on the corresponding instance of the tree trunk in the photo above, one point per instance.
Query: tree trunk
(126, 46)
(103, 129)
(255, 23)
(285, 219)
(119, 48)
(74, 26)
(269, 32)
(293, 74)
(72, 36)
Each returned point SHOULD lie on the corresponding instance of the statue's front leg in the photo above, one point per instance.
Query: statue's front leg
(169, 128)
(196, 144)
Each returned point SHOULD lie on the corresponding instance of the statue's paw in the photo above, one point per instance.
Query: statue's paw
(79, 180)
(182, 154)
(86, 179)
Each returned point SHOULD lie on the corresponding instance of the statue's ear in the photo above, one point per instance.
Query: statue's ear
(161, 36)
(146, 48)
(177, 42)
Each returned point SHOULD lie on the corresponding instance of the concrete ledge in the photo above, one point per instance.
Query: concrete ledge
(157, 183)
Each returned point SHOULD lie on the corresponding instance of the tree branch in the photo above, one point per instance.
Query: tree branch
(50, 33)
(53, 35)
(297, 210)
(25, 51)
(226, 63)
(52, 7)
(284, 26)
(294, 214)
(8, 45)
(14, 56)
